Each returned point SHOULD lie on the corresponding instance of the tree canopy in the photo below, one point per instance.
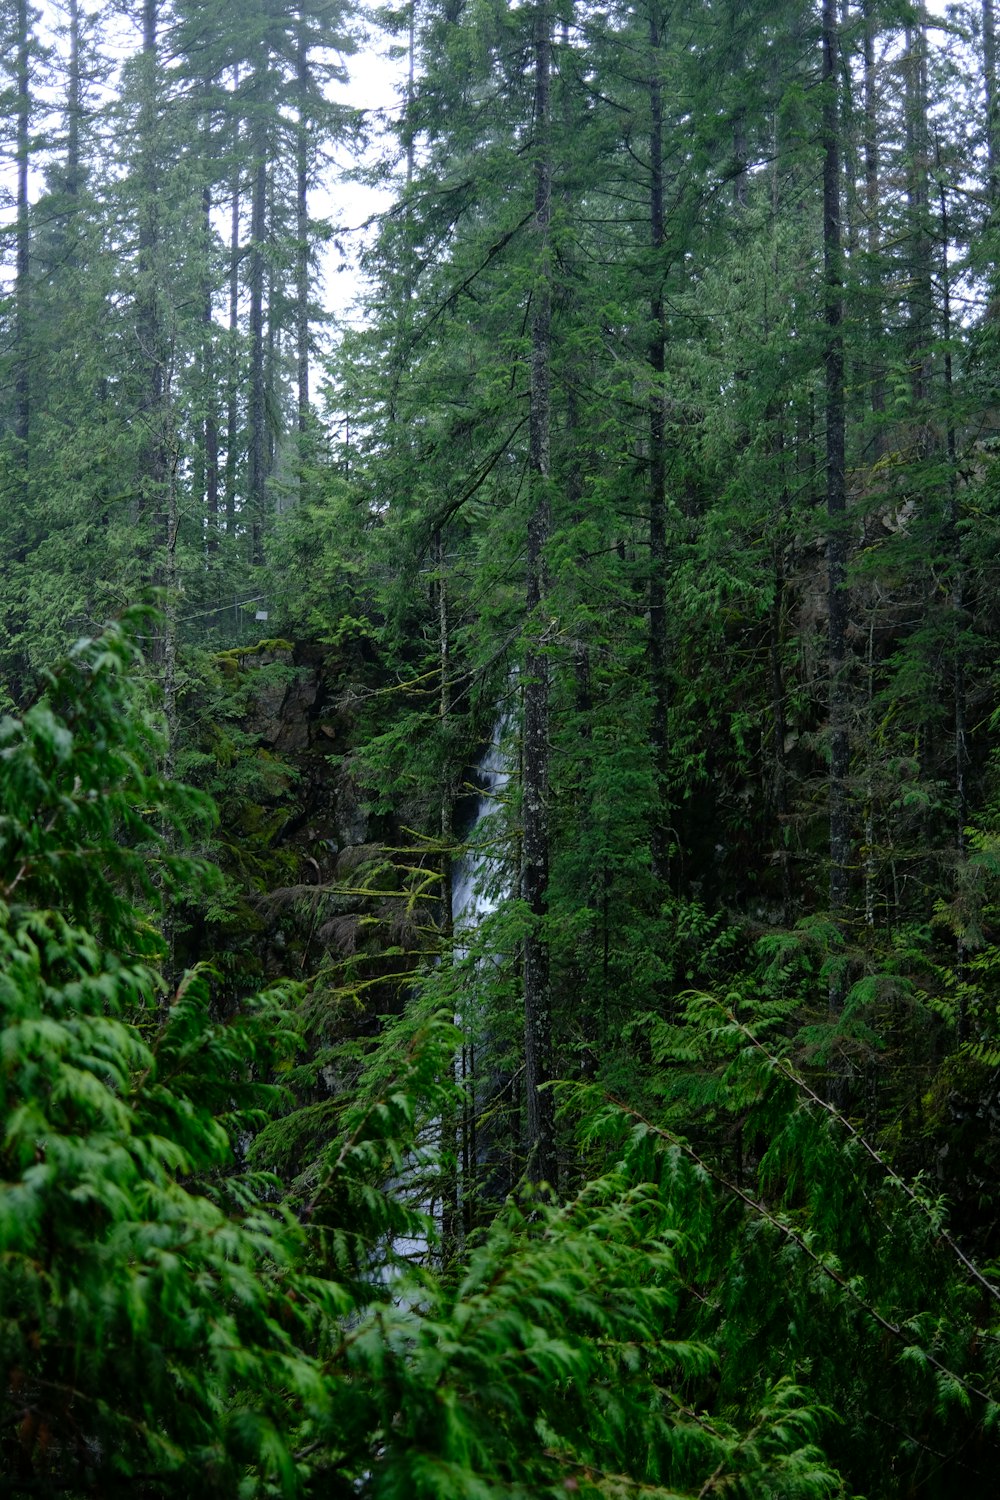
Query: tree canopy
(498, 939)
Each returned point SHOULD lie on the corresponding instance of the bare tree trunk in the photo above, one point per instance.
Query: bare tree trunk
(454, 1120)
(836, 484)
(780, 730)
(148, 311)
(168, 652)
(22, 289)
(873, 215)
(992, 110)
(257, 478)
(535, 776)
(659, 686)
(957, 600)
(411, 64)
(74, 105)
(871, 891)
(917, 167)
(205, 482)
(302, 229)
(232, 390)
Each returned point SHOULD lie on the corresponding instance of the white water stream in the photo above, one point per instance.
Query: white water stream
(477, 890)
(480, 884)
(476, 876)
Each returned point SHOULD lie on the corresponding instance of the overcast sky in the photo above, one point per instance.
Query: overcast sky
(375, 85)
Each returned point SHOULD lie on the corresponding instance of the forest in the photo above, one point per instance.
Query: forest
(500, 791)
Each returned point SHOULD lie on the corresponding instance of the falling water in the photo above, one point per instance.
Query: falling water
(479, 886)
(477, 890)
(475, 878)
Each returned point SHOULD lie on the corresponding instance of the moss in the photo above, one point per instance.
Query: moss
(231, 660)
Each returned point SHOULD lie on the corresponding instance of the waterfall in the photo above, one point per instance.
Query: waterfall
(475, 876)
(478, 888)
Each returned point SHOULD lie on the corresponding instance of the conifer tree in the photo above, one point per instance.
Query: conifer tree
(836, 493)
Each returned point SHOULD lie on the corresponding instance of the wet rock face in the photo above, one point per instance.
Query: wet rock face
(311, 883)
(289, 730)
(351, 818)
(295, 713)
(282, 700)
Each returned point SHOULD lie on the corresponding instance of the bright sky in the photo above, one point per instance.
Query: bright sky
(375, 85)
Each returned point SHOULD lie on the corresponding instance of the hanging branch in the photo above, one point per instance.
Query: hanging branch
(876, 1156)
(793, 1237)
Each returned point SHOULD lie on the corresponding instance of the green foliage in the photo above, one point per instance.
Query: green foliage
(89, 820)
(144, 1313)
(240, 1255)
(168, 1326)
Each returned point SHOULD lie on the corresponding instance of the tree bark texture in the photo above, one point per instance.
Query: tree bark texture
(148, 310)
(921, 301)
(232, 390)
(22, 290)
(992, 114)
(205, 476)
(302, 229)
(540, 1112)
(656, 355)
(257, 479)
(873, 237)
(74, 105)
(836, 486)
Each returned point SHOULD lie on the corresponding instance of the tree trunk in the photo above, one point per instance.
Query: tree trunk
(454, 1119)
(22, 291)
(257, 478)
(874, 236)
(658, 681)
(204, 462)
(535, 776)
(957, 566)
(836, 486)
(232, 392)
(168, 651)
(302, 230)
(148, 312)
(992, 111)
(921, 255)
(74, 105)
(780, 731)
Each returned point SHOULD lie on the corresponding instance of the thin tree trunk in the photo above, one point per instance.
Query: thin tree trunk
(874, 234)
(869, 844)
(411, 64)
(232, 393)
(302, 230)
(656, 355)
(444, 716)
(22, 290)
(148, 312)
(836, 485)
(992, 110)
(74, 105)
(198, 458)
(957, 601)
(271, 343)
(917, 143)
(168, 923)
(454, 1119)
(257, 479)
(540, 1121)
(211, 420)
(780, 730)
